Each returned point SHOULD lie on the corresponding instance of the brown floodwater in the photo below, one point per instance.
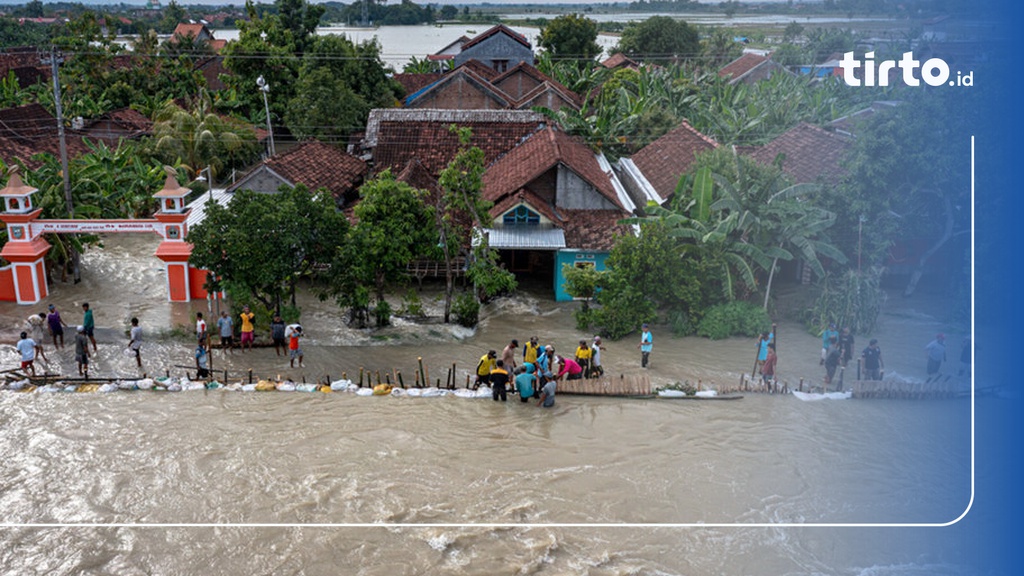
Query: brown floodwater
(223, 482)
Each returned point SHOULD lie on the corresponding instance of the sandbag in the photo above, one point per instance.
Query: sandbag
(382, 389)
(286, 386)
(265, 386)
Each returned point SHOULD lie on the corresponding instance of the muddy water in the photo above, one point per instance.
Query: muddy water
(211, 457)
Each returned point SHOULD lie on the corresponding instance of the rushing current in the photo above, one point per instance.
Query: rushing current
(221, 482)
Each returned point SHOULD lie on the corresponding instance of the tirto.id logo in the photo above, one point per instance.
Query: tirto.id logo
(934, 71)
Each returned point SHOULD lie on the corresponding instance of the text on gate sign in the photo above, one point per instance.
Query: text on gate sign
(92, 226)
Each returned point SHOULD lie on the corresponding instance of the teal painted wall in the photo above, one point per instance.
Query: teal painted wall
(571, 257)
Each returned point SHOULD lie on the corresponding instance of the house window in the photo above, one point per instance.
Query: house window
(500, 65)
(519, 216)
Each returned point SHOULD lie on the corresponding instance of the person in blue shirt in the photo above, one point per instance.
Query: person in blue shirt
(525, 380)
(826, 338)
(646, 345)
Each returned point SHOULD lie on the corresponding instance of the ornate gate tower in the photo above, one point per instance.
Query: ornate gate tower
(24, 281)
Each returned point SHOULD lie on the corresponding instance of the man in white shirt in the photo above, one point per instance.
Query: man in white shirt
(27, 347)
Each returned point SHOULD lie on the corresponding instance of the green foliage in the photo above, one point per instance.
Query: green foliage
(571, 36)
(466, 310)
(624, 307)
(260, 244)
(382, 313)
(394, 227)
(582, 281)
(850, 300)
(338, 84)
(412, 305)
(489, 278)
(200, 138)
(660, 40)
(735, 318)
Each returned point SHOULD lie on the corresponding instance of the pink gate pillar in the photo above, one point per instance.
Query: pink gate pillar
(25, 248)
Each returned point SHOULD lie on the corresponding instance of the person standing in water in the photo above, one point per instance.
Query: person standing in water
(135, 341)
(646, 345)
(88, 324)
(82, 351)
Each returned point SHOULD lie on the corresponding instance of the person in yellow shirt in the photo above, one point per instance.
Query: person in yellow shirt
(531, 350)
(248, 330)
(583, 354)
(488, 362)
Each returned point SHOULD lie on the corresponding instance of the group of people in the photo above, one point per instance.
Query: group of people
(541, 368)
(286, 338)
(837, 347)
(30, 344)
(837, 350)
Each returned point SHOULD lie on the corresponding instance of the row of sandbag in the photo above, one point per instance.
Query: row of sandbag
(184, 384)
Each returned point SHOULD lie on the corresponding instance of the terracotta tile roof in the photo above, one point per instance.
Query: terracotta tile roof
(479, 67)
(130, 119)
(620, 60)
(35, 130)
(593, 229)
(468, 78)
(809, 153)
(512, 83)
(186, 30)
(24, 62)
(415, 82)
(542, 206)
(211, 69)
(395, 136)
(319, 165)
(669, 157)
(742, 65)
(499, 29)
(537, 155)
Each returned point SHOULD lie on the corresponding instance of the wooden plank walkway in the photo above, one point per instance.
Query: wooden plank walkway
(607, 386)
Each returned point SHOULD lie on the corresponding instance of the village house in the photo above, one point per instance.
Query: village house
(555, 201)
(500, 48)
(652, 173)
(312, 163)
(474, 86)
(750, 68)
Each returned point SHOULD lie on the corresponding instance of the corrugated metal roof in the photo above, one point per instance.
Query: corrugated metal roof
(525, 238)
(198, 206)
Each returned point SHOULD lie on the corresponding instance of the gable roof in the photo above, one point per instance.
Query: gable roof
(742, 65)
(317, 165)
(193, 30)
(468, 78)
(494, 30)
(751, 67)
(122, 123)
(620, 60)
(396, 135)
(809, 153)
(538, 154)
(506, 82)
(663, 161)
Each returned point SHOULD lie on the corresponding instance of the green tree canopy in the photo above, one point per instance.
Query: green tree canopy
(572, 37)
(260, 244)
(660, 39)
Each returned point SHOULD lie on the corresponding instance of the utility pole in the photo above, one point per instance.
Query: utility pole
(54, 59)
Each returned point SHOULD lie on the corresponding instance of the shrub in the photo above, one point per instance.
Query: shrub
(679, 323)
(466, 310)
(733, 319)
(411, 305)
(382, 314)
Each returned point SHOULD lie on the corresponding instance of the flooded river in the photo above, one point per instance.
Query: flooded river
(217, 482)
